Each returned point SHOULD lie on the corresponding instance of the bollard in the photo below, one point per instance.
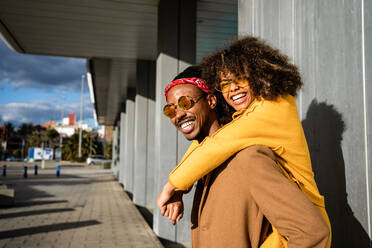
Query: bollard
(35, 169)
(58, 170)
(25, 173)
(4, 170)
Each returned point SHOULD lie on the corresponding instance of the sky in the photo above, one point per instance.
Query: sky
(36, 89)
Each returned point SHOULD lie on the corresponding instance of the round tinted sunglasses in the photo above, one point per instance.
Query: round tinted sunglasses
(184, 102)
(225, 85)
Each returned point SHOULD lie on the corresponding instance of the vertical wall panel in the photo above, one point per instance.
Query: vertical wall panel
(176, 40)
(129, 141)
(165, 141)
(115, 147)
(246, 17)
(216, 25)
(367, 15)
(150, 180)
(165, 133)
(140, 135)
(325, 40)
(122, 148)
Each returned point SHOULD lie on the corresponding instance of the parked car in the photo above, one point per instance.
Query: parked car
(14, 159)
(97, 159)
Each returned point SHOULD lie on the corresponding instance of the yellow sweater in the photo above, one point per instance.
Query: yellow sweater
(274, 124)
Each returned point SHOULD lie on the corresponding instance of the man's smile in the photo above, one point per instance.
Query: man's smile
(186, 125)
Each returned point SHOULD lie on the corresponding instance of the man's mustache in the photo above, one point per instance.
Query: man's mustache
(184, 119)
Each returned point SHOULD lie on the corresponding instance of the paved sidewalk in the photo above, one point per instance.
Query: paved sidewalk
(85, 207)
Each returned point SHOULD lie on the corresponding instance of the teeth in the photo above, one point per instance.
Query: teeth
(236, 97)
(186, 124)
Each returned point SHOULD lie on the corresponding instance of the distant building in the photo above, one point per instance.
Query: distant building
(107, 132)
(68, 126)
(49, 124)
(65, 130)
(71, 119)
(65, 121)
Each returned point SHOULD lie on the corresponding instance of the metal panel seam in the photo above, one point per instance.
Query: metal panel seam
(365, 121)
(253, 18)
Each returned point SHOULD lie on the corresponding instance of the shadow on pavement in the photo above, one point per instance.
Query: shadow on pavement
(34, 203)
(130, 194)
(146, 214)
(324, 128)
(35, 212)
(46, 228)
(170, 244)
(49, 181)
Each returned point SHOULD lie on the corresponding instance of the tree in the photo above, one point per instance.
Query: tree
(25, 130)
(53, 137)
(108, 149)
(9, 127)
(37, 138)
(90, 143)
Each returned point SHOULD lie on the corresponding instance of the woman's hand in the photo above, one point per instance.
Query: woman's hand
(164, 196)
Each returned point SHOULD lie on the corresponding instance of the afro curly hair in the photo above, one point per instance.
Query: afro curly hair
(269, 72)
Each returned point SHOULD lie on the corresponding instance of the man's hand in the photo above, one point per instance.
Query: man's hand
(174, 208)
(166, 194)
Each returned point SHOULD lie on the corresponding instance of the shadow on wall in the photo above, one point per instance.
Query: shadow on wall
(324, 128)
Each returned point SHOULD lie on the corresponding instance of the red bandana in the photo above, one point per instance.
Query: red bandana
(198, 82)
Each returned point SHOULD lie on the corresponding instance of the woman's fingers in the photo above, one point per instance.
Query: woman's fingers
(175, 213)
(166, 214)
(171, 210)
(179, 217)
(162, 210)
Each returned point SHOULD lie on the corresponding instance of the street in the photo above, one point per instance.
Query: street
(84, 207)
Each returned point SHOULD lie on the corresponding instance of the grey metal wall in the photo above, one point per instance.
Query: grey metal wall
(216, 25)
(186, 30)
(331, 42)
(176, 50)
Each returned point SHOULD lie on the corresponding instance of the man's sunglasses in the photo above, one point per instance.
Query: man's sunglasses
(184, 102)
(225, 85)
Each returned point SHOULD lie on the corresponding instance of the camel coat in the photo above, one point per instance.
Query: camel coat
(235, 204)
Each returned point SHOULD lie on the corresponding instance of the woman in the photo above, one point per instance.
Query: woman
(259, 84)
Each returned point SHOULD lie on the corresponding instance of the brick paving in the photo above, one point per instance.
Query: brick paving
(85, 207)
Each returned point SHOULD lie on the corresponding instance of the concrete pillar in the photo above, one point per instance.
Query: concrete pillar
(367, 20)
(330, 42)
(122, 148)
(176, 49)
(150, 177)
(143, 128)
(129, 140)
(140, 135)
(115, 148)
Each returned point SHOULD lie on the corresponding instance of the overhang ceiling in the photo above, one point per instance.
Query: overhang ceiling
(84, 28)
(112, 34)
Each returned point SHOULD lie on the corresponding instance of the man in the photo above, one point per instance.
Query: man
(244, 201)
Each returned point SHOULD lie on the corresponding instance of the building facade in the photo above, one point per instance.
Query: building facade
(135, 48)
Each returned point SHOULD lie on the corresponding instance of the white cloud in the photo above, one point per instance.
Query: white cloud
(39, 112)
(42, 72)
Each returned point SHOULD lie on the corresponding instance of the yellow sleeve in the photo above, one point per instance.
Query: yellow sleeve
(215, 150)
(268, 123)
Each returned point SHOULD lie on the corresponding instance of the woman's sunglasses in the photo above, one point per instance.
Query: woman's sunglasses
(225, 85)
(184, 102)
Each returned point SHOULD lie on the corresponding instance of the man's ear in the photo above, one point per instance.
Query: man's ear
(212, 101)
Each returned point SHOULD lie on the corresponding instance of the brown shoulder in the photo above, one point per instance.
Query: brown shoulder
(251, 151)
